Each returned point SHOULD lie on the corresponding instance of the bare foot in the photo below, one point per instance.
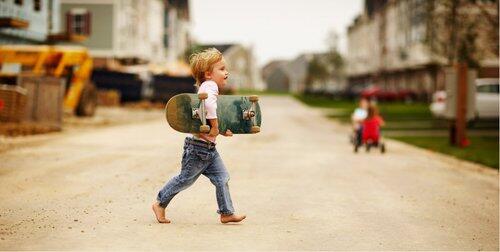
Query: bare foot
(231, 218)
(160, 213)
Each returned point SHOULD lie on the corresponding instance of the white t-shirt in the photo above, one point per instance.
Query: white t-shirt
(359, 114)
(211, 88)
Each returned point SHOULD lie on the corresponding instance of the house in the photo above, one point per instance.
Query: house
(286, 75)
(176, 31)
(276, 76)
(130, 31)
(297, 74)
(28, 22)
(398, 44)
(323, 73)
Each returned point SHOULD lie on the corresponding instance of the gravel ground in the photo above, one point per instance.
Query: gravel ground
(91, 187)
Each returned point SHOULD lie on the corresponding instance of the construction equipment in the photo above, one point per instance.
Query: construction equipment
(70, 62)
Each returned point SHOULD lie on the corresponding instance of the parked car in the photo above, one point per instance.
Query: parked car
(374, 92)
(487, 100)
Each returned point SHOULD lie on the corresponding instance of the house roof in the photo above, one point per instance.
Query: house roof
(272, 66)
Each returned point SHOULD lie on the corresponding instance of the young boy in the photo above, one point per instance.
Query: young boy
(357, 118)
(200, 156)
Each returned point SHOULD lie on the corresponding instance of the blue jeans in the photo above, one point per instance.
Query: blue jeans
(197, 160)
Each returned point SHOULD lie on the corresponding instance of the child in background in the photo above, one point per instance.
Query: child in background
(357, 118)
(200, 156)
(371, 125)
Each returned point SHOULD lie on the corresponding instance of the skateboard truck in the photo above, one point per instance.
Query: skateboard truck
(250, 114)
(200, 113)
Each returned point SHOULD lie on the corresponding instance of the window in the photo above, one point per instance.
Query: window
(488, 89)
(418, 17)
(78, 22)
(18, 2)
(165, 40)
(37, 5)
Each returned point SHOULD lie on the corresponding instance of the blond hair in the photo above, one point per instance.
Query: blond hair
(202, 62)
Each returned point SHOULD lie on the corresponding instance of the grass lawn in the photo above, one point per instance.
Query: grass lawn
(257, 92)
(399, 112)
(416, 117)
(323, 102)
(482, 150)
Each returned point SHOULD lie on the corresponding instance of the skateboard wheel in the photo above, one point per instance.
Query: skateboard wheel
(253, 98)
(202, 96)
(204, 128)
(255, 129)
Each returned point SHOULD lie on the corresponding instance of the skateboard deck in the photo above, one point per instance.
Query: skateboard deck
(183, 113)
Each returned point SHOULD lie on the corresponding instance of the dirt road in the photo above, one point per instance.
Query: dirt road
(298, 181)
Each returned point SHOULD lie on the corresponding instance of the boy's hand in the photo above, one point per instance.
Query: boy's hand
(228, 133)
(213, 132)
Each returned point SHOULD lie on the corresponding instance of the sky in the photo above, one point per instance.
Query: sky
(275, 29)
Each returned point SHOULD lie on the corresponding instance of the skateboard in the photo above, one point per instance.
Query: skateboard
(240, 114)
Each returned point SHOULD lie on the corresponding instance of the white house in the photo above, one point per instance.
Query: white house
(177, 29)
(28, 22)
(398, 44)
(117, 29)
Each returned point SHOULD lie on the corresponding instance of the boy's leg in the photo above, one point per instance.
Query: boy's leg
(178, 183)
(191, 169)
(219, 177)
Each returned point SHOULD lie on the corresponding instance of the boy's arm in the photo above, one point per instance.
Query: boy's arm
(214, 127)
(214, 130)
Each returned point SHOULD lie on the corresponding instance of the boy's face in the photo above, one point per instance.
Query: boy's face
(219, 74)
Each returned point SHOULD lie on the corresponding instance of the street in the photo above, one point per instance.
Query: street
(298, 181)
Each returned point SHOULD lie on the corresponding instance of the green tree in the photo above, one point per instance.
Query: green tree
(316, 72)
(327, 66)
(454, 29)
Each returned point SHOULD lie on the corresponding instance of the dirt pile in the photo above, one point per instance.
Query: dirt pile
(26, 128)
(144, 105)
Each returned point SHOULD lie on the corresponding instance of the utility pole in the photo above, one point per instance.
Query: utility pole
(458, 127)
(461, 117)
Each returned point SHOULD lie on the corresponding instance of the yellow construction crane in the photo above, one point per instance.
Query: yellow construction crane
(71, 62)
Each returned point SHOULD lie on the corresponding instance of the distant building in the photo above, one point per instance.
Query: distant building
(272, 83)
(334, 80)
(287, 75)
(296, 71)
(400, 44)
(243, 72)
(275, 76)
(28, 22)
(128, 30)
(177, 27)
